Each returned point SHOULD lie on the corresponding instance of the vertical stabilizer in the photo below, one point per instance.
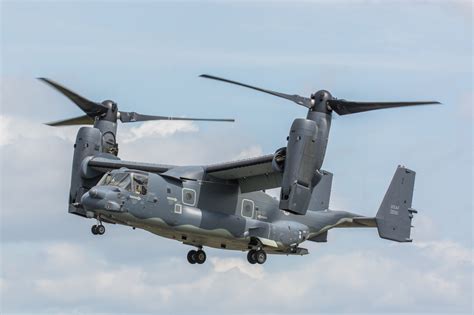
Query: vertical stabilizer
(395, 213)
(321, 193)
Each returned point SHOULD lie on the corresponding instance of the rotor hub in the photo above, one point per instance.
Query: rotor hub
(319, 100)
(111, 105)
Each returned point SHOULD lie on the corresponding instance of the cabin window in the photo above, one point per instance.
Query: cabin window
(247, 208)
(189, 196)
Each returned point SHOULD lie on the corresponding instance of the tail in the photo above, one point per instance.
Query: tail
(394, 217)
(321, 193)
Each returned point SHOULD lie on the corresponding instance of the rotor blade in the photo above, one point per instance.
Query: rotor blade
(81, 120)
(126, 117)
(343, 107)
(303, 101)
(92, 109)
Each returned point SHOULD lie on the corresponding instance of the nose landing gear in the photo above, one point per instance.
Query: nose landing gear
(196, 257)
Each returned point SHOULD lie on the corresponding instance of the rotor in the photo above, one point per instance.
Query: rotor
(323, 101)
(108, 110)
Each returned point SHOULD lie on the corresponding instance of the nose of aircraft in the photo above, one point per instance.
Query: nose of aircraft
(101, 198)
(97, 193)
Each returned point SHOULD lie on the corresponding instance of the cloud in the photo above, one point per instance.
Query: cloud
(448, 251)
(157, 129)
(82, 278)
(250, 152)
(15, 129)
(226, 265)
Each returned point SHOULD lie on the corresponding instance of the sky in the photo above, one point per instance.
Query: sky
(147, 56)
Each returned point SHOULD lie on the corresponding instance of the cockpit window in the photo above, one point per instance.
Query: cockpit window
(140, 184)
(132, 182)
(125, 183)
(113, 179)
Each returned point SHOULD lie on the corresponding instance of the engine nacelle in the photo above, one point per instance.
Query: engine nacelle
(88, 143)
(300, 172)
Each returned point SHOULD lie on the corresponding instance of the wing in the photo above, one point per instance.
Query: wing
(252, 174)
(104, 164)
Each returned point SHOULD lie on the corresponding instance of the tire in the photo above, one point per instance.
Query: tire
(200, 257)
(192, 257)
(251, 257)
(261, 256)
(94, 229)
(100, 229)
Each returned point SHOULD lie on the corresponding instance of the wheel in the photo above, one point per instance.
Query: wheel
(100, 229)
(200, 257)
(261, 256)
(94, 229)
(251, 256)
(192, 257)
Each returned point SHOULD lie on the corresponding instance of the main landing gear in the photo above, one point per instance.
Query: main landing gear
(196, 256)
(256, 256)
(98, 229)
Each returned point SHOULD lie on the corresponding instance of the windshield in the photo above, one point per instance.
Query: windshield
(137, 183)
(118, 179)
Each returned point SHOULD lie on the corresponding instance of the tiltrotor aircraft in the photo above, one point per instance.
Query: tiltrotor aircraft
(224, 205)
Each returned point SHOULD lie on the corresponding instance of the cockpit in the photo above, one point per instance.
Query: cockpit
(129, 181)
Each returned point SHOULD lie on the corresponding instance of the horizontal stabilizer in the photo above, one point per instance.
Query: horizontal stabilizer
(320, 238)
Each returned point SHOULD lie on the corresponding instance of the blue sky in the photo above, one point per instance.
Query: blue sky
(147, 56)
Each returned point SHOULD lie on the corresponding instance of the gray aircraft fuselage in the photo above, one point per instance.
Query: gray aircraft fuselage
(207, 213)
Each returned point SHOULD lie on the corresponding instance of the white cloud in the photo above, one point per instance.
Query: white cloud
(5, 136)
(163, 128)
(73, 276)
(250, 152)
(225, 265)
(15, 129)
(448, 251)
(425, 228)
